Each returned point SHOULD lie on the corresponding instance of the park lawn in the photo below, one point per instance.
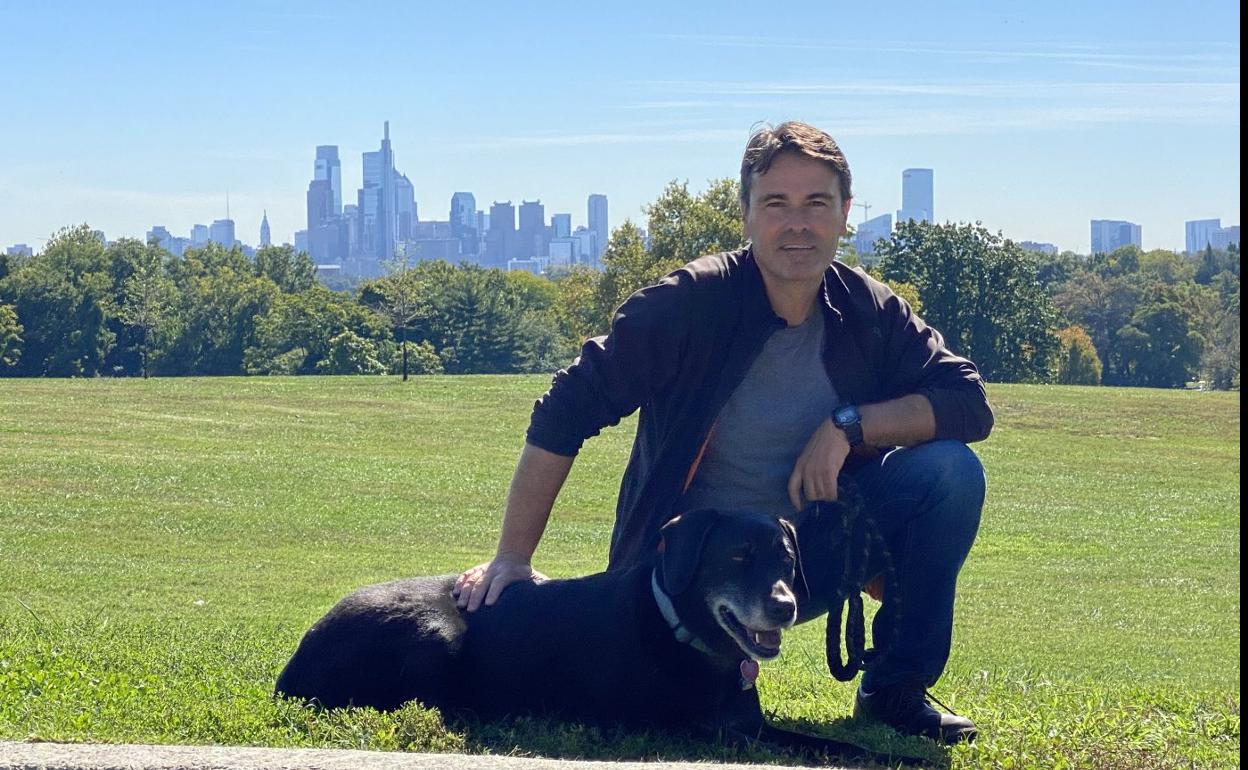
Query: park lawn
(165, 543)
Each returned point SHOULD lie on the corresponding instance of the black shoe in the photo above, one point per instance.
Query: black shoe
(905, 707)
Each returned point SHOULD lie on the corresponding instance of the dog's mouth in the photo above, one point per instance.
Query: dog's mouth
(758, 643)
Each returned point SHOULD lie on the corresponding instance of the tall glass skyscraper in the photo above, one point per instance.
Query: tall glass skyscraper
(916, 195)
(330, 169)
(1111, 234)
(598, 224)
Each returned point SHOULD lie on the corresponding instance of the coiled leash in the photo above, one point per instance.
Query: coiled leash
(858, 532)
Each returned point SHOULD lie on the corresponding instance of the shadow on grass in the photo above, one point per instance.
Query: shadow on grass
(550, 738)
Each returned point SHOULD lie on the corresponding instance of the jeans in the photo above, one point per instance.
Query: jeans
(926, 500)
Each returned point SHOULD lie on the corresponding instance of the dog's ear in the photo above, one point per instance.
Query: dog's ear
(791, 532)
(680, 548)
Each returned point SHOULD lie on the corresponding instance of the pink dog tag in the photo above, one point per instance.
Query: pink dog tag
(749, 673)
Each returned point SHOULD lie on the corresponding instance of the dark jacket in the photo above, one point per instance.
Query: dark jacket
(678, 349)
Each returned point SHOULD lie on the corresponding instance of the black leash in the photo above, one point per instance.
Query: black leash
(858, 532)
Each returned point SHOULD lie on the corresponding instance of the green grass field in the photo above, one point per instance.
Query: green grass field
(164, 544)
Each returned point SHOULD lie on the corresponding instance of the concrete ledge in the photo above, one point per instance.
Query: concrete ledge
(93, 756)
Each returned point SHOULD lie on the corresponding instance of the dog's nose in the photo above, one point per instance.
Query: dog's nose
(782, 604)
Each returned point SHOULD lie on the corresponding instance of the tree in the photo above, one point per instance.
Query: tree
(10, 337)
(981, 292)
(350, 354)
(292, 271)
(293, 335)
(148, 303)
(1077, 362)
(1159, 348)
(626, 267)
(64, 298)
(399, 297)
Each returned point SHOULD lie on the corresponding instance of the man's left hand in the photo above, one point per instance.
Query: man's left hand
(817, 468)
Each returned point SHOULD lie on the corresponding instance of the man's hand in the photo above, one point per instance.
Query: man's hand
(814, 475)
(484, 582)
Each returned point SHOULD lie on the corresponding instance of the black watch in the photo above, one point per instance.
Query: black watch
(848, 419)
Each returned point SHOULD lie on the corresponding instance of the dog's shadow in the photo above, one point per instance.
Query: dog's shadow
(545, 737)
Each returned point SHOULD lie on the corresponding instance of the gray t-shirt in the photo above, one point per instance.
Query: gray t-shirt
(765, 425)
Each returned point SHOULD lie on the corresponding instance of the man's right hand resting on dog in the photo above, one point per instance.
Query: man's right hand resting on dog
(534, 486)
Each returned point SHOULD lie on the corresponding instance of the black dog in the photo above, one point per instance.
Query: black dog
(673, 644)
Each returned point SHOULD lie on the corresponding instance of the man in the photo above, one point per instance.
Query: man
(762, 375)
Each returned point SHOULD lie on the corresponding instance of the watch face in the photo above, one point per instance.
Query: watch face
(845, 415)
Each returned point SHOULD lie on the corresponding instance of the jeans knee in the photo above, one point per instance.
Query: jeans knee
(957, 471)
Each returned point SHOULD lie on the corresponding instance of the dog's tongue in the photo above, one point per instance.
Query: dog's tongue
(749, 670)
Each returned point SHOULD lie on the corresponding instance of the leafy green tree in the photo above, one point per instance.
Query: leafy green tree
(1159, 348)
(577, 310)
(420, 358)
(1218, 324)
(301, 326)
(220, 299)
(981, 291)
(683, 226)
(626, 267)
(148, 304)
(400, 297)
(63, 297)
(1077, 362)
(1102, 305)
(10, 337)
(350, 354)
(291, 271)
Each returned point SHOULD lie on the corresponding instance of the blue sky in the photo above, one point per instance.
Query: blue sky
(1036, 117)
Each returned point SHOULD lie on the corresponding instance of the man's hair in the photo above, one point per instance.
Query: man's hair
(791, 136)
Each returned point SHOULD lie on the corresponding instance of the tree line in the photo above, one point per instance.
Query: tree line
(81, 308)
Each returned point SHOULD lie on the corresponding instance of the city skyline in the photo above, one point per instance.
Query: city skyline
(1035, 120)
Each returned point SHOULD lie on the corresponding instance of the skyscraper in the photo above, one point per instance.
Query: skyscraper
(265, 236)
(404, 208)
(464, 222)
(222, 231)
(1200, 233)
(916, 195)
(199, 236)
(869, 232)
(531, 238)
(1111, 234)
(377, 217)
(501, 235)
(330, 169)
(561, 225)
(598, 224)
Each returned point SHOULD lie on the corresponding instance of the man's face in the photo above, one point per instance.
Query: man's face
(795, 218)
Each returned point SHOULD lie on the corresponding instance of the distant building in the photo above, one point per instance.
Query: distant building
(916, 196)
(589, 245)
(534, 265)
(531, 234)
(1111, 234)
(1199, 233)
(222, 232)
(266, 238)
(464, 224)
(869, 232)
(301, 241)
(329, 168)
(565, 251)
(404, 208)
(501, 235)
(199, 236)
(599, 225)
(19, 250)
(561, 225)
(1223, 237)
(162, 236)
(1039, 248)
(99, 236)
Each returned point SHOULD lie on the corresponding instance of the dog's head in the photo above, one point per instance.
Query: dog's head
(730, 577)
